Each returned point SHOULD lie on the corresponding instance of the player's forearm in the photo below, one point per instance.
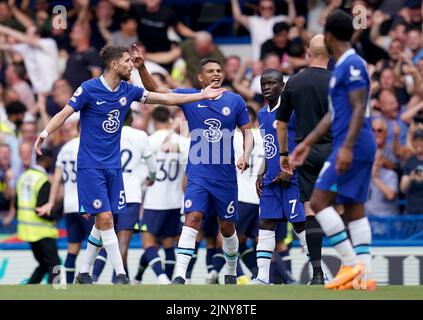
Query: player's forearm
(319, 131)
(282, 132)
(405, 183)
(248, 141)
(147, 79)
(174, 98)
(292, 12)
(59, 119)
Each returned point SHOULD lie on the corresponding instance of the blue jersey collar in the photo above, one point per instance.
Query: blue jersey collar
(103, 81)
(344, 56)
(275, 107)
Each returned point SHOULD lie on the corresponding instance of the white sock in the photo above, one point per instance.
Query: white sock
(94, 245)
(185, 250)
(302, 238)
(334, 228)
(230, 251)
(264, 251)
(111, 245)
(361, 238)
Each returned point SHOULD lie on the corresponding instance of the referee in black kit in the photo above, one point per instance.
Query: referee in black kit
(306, 93)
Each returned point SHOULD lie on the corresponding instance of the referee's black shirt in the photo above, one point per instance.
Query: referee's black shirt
(306, 93)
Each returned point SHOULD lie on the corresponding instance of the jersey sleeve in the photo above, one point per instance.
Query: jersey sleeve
(79, 99)
(138, 93)
(242, 114)
(355, 75)
(283, 113)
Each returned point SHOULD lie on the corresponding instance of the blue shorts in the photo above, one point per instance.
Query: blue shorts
(162, 223)
(129, 220)
(210, 225)
(351, 186)
(277, 202)
(77, 227)
(203, 194)
(101, 190)
(248, 219)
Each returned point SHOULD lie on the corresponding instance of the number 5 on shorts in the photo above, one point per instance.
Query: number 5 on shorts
(122, 197)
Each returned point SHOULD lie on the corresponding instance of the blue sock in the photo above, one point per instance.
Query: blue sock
(281, 269)
(154, 260)
(218, 260)
(170, 261)
(209, 259)
(239, 271)
(70, 267)
(248, 256)
(114, 274)
(192, 261)
(141, 268)
(99, 264)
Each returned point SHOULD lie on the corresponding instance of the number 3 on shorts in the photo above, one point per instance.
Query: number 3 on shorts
(122, 197)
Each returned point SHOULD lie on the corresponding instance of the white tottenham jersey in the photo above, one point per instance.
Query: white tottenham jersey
(166, 193)
(134, 147)
(66, 160)
(247, 181)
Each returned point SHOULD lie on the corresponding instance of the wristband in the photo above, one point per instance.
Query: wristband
(284, 154)
(43, 134)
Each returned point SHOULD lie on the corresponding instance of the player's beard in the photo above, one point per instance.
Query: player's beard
(125, 76)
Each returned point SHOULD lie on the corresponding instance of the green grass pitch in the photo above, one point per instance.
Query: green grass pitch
(205, 292)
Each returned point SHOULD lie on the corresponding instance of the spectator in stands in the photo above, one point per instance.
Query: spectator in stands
(84, 63)
(195, 50)
(127, 34)
(397, 32)
(279, 43)
(384, 184)
(153, 20)
(414, 44)
(40, 56)
(388, 80)
(230, 70)
(7, 178)
(260, 27)
(7, 18)
(103, 24)
(15, 78)
(28, 132)
(15, 112)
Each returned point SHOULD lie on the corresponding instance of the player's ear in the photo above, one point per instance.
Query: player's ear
(114, 64)
(200, 78)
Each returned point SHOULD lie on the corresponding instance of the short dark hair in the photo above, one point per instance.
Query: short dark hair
(280, 26)
(340, 25)
(110, 53)
(161, 114)
(205, 61)
(46, 154)
(15, 107)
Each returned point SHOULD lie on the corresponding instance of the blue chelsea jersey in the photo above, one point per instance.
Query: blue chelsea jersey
(350, 74)
(102, 113)
(267, 120)
(212, 124)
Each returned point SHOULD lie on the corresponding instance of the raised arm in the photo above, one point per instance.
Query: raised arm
(19, 36)
(292, 12)
(121, 4)
(248, 147)
(52, 126)
(22, 18)
(238, 16)
(178, 99)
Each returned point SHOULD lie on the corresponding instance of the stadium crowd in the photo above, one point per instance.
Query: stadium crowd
(42, 65)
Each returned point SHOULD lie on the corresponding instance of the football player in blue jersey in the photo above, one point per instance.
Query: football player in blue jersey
(278, 190)
(103, 103)
(346, 174)
(211, 172)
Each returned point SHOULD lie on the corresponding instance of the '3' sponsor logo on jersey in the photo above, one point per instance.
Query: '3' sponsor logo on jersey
(269, 146)
(111, 125)
(213, 133)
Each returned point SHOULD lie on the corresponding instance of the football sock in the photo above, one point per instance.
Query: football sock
(141, 268)
(70, 267)
(334, 228)
(210, 252)
(286, 258)
(265, 247)
(239, 271)
(154, 261)
(192, 261)
(170, 261)
(361, 238)
(218, 260)
(94, 245)
(111, 245)
(314, 238)
(248, 256)
(230, 251)
(99, 263)
(185, 250)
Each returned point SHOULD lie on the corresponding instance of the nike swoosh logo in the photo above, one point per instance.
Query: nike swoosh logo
(228, 217)
(201, 106)
(261, 125)
(293, 216)
(99, 102)
(121, 207)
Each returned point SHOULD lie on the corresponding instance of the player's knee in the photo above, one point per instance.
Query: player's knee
(266, 224)
(227, 229)
(193, 220)
(104, 221)
(316, 205)
(298, 227)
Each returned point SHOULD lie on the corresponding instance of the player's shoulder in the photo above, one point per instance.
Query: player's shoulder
(71, 143)
(134, 133)
(263, 111)
(233, 96)
(185, 90)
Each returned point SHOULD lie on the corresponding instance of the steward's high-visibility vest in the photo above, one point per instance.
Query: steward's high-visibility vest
(31, 227)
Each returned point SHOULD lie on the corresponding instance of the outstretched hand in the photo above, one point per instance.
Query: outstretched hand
(299, 154)
(211, 93)
(136, 56)
(38, 144)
